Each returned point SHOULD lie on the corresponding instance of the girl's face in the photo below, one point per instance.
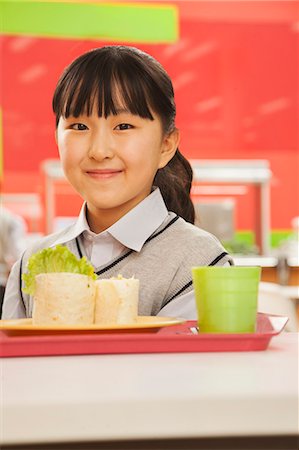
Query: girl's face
(112, 162)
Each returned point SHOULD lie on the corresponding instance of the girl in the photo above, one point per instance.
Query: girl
(118, 145)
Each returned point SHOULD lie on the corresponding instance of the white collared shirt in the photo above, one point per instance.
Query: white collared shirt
(149, 214)
(103, 247)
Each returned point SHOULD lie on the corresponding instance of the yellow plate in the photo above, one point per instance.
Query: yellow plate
(143, 322)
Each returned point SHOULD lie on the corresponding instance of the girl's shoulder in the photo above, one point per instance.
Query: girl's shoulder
(176, 228)
(184, 242)
(50, 240)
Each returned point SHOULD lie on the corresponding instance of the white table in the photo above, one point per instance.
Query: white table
(147, 396)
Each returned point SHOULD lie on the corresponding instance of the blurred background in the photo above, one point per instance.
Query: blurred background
(234, 66)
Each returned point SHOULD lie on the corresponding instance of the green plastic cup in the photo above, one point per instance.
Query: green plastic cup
(226, 298)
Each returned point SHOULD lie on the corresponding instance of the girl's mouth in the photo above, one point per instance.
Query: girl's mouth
(103, 173)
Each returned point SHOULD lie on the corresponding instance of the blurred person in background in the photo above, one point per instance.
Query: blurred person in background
(12, 244)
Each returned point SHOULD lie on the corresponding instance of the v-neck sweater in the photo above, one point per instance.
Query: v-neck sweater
(163, 265)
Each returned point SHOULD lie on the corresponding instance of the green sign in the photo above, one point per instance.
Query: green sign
(132, 22)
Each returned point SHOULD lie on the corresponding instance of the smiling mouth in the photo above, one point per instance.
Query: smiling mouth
(102, 174)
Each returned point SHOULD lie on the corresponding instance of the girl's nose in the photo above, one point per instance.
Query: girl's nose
(100, 146)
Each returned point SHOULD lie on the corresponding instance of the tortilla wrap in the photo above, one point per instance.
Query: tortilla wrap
(64, 299)
(117, 301)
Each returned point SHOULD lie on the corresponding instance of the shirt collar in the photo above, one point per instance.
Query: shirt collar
(133, 229)
(73, 231)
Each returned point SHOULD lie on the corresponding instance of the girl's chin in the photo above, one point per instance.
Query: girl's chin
(103, 205)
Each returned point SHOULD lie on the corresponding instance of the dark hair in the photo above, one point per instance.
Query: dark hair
(99, 76)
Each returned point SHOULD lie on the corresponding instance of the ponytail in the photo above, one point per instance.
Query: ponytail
(175, 181)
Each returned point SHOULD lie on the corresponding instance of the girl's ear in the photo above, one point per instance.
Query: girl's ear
(55, 135)
(169, 147)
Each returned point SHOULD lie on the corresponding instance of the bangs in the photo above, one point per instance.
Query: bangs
(105, 84)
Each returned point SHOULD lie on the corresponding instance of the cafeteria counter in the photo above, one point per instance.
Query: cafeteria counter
(228, 400)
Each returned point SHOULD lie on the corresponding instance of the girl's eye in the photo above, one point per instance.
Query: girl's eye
(79, 127)
(123, 126)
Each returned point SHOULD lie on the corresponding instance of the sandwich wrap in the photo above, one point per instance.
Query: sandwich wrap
(62, 286)
(64, 299)
(116, 300)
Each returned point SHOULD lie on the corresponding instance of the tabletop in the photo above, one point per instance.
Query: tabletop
(141, 396)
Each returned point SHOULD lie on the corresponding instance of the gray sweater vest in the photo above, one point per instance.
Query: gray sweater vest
(163, 265)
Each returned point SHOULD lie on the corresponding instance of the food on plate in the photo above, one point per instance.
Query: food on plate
(64, 299)
(116, 300)
(63, 287)
(65, 291)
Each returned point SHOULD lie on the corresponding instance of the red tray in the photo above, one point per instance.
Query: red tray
(178, 338)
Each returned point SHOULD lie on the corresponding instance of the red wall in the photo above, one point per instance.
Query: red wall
(236, 81)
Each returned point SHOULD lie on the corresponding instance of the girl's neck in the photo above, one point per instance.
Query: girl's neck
(101, 220)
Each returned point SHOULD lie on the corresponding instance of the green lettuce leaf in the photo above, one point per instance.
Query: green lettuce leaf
(57, 259)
